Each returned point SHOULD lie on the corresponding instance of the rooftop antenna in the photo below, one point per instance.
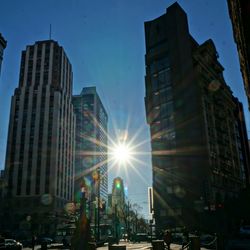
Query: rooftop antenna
(50, 32)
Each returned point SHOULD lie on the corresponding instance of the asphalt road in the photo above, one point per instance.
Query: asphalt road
(140, 246)
(129, 246)
(232, 244)
(143, 246)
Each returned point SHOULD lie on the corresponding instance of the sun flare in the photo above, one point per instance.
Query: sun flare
(122, 153)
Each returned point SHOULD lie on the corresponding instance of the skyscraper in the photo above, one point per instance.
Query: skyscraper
(3, 44)
(91, 144)
(40, 147)
(118, 209)
(118, 194)
(199, 149)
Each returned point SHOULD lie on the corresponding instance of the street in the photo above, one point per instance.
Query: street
(129, 246)
(142, 246)
(52, 246)
(232, 244)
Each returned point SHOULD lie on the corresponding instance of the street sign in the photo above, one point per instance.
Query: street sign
(150, 200)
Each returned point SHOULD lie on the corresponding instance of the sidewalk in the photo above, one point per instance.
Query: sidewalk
(52, 246)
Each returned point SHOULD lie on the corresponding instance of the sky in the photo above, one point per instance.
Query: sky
(104, 41)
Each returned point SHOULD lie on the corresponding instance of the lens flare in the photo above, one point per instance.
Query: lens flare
(121, 153)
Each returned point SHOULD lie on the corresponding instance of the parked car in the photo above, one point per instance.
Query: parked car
(27, 243)
(124, 237)
(207, 240)
(245, 231)
(46, 240)
(141, 237)
(13, 244)
(2, 243)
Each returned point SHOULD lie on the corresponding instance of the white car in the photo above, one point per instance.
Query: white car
(13, 244)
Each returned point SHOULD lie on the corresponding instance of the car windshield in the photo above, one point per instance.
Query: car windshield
(10, 241)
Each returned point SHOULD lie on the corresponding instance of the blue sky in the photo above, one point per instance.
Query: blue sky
(104, 41)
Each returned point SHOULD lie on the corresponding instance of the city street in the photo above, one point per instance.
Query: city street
(129, 246)
(143, 245)
(234, 244)
(147, 146)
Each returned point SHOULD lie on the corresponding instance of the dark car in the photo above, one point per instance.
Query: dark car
(13, 244)
(141, 237)
(27, 243)
(208, 240)
(245, 231)
(2, 243)
(43, 240)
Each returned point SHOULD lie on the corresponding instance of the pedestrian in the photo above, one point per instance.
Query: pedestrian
(168, 238)
(33, 241)
(185, 237)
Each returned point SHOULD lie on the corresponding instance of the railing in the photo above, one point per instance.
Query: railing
(210, 244)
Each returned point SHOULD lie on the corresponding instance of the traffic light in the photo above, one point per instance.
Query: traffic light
(118, 184)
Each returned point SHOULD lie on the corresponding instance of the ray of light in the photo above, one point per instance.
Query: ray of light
(137, 172)
(91, 169)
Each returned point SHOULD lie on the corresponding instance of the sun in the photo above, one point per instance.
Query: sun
(121, 153)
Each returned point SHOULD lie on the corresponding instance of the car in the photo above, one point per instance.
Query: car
(27, 243)
(245, 230)
(207, 240)
(13, 244)
(43, 240)
(238, 244)
(141, 237)
(2, 243)
(124, 237)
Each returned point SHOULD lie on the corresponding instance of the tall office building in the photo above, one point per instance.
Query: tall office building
(40, 148)
(118, 195)
(3, 44)
(2, 184)
(198, 134)
(91, 144)
(239, 11)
